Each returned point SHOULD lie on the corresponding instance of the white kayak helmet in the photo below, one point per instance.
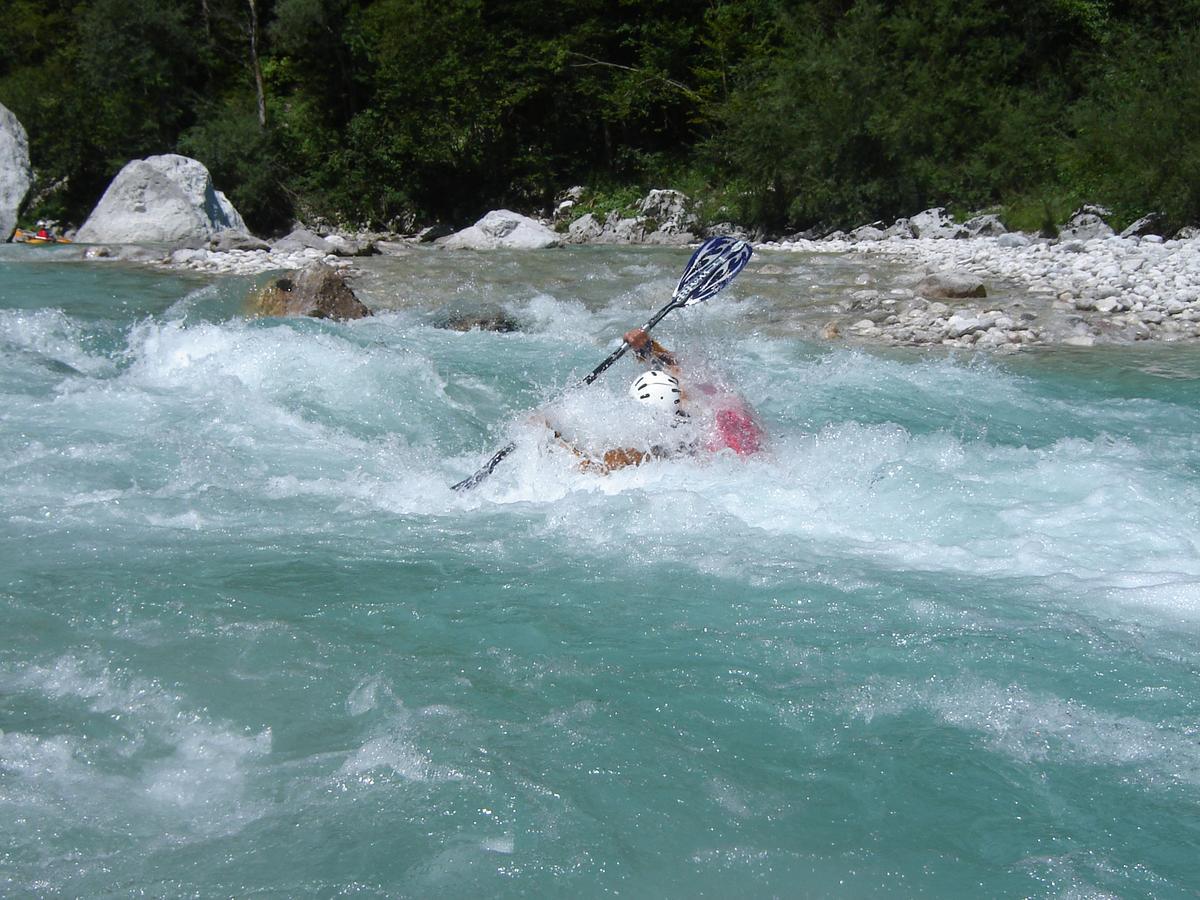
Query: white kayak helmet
(657, 389)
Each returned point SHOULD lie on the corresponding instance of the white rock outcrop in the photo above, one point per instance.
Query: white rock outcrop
(160, 199)
(15, 172)
(502, 228)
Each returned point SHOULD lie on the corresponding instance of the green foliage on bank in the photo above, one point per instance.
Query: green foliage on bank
(777, 113)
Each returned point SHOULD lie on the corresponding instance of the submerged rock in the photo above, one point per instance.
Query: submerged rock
(160, 199)
(317, 290)
(15, 173)
(483, 321)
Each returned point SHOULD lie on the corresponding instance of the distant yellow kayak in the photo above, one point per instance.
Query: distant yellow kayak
(30, 237)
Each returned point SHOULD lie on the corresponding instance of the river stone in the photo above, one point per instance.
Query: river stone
(935, 223)
(224, 241)
(950, 286)
(901, 228)
(434, 232)
(963, 324)
(1014, 240)
(585, 228)
(622, 230)
(868, 233)
(317, 290)
(303, 239)
(562, 210)
(502, 228)
(346, 246)
(668, 207)
(1150, 224)
(167, 199)
(484, 321)
(15, 173)
(1085, 224)
(668, 237)
(984, 226)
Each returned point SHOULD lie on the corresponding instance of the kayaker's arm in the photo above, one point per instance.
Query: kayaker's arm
(611, 460)
(649, 350)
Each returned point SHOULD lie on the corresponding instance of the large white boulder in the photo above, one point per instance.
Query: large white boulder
(668, 208)
(1088, 222)
(502, 228)
(936, 223)
(160, 199)
(15, 172)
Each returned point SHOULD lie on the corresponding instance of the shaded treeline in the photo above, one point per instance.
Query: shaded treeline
(782, 113)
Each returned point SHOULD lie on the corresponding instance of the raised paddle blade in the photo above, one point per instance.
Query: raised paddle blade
(712, 267)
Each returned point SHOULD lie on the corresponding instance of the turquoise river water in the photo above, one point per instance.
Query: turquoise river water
(940, 639)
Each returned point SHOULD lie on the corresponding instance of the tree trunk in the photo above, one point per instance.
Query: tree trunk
(256, 67)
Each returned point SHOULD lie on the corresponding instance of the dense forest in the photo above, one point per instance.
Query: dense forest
(781, 113)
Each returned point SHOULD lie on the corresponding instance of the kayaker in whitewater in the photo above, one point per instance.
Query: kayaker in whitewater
(688, 415)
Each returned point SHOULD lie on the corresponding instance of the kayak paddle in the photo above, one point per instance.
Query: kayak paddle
(712, 267)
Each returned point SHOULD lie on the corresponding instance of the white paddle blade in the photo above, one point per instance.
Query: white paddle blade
(712, 267)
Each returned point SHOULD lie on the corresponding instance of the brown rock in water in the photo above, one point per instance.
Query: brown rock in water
(831, 332)
(317, 290)
(481, 322)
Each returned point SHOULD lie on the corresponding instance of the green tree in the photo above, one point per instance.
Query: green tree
(1138, 148)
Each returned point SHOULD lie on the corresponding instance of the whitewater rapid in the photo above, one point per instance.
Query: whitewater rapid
(938, 636)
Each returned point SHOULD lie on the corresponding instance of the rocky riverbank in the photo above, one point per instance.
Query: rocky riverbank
(1106, 289)
(998, 293)
(972, 284)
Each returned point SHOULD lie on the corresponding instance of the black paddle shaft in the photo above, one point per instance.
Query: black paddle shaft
(620, 351)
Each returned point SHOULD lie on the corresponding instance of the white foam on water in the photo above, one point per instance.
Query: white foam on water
(1100, 509)
(371, 693)
(392, 747)
(546, 316)
(1029, 727)
(53, 335)
(384, 757)
(503, 845)
(201, 786)
(878, 470)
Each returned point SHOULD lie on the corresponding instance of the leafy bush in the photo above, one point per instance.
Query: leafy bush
(1138, 148)
(242, 158)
